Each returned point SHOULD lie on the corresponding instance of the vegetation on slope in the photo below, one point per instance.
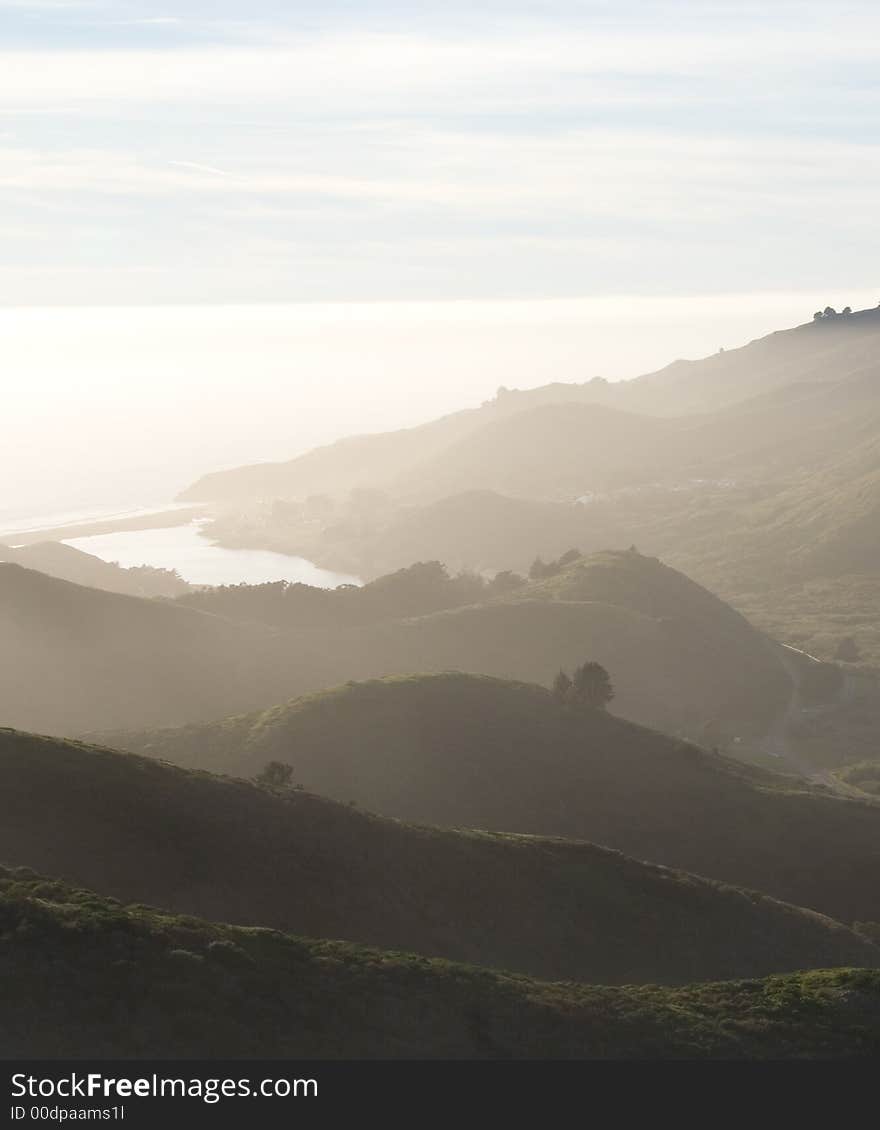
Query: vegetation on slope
(227, 849)
(74, 659)
(680, 658)
(86, 976)
(463, 750)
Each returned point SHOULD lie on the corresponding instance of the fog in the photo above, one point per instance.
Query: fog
(120, 407)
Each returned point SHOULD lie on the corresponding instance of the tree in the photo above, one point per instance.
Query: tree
(562, 687)
(848, 651)
(817, 315)
(829, 312)
(506, 581)
(567, 557)
(847, 310)
(275, 774)
(591, 686)
(537, 570)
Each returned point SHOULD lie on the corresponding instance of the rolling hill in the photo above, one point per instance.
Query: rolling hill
(681, 658)
(70, 564)
(74, 658)
(86, 976)
(222, 848)
(479, 752)
(753, 470)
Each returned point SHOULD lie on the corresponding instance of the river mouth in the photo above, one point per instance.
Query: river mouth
(200, 562)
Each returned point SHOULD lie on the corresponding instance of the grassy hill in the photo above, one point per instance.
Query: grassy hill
(223, 848)
(86, 976)
(74, 658)
(480, 752)
(681, 658)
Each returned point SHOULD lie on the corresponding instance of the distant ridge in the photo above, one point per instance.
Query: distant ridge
(828, 349)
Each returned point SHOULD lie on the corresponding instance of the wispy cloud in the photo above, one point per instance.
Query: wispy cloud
(199, 168)
(536, 152)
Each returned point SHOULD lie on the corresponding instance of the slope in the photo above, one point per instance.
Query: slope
(828, 350)
(222, 848)
(85, 976)
(70, 564)
(74, 658)
(485, 753)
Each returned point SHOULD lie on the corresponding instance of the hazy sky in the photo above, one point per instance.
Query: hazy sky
(221, 150)
(545, 187)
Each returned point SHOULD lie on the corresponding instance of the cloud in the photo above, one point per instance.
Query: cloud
(365, 70)
(199, 168)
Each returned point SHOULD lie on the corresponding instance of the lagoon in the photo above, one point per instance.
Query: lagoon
(200, 562)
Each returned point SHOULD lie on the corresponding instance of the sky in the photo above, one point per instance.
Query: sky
(362, 214)
(332, 151)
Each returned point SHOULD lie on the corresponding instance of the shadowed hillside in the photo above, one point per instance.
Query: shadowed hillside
(485, 753)
(86, 976)
(223, 848)
(73, 658)
(681, 659)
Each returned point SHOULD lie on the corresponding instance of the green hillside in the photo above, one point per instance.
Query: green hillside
(462, 750)
(222, 848)
(86, 976)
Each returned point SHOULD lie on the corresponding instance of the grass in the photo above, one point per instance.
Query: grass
(88, 977)
(226, 849)
(464, 750)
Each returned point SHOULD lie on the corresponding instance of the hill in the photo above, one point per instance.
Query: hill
(479, 531)
(86, 976)
(753, 470)
(479, 752)
(69, 564)
(222, 848)
(680, 657)
(830, 349)
(74, 658)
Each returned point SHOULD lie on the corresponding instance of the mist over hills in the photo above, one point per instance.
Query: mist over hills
(77, 660)
(830, 349)
(73, 657)
(753, 473)
(462, 750)
(70, 564)
(223, 848)
(145, 983)
(681, 658)
(753, 470)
